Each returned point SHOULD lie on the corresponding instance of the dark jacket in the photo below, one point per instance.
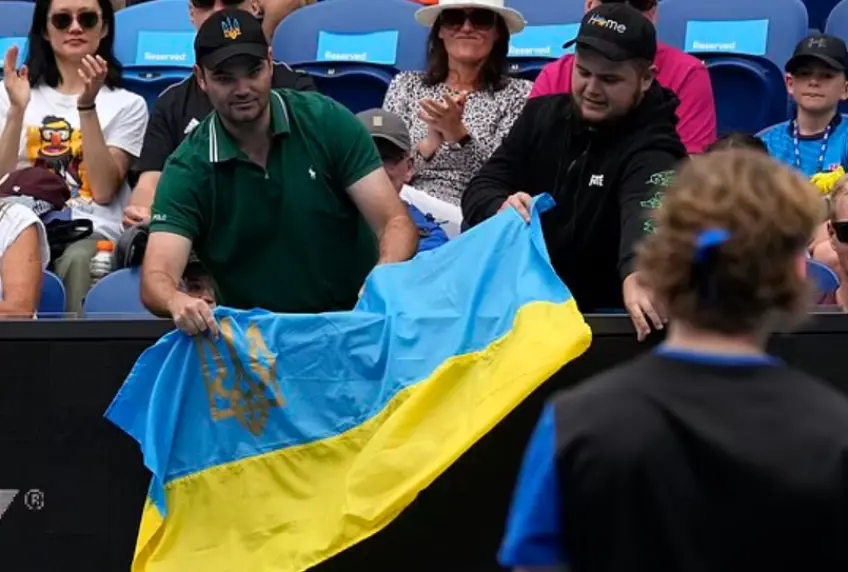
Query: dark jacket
(605, 180)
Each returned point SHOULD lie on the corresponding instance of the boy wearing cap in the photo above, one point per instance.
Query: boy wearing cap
(816, 141)
(395, 148)
(604, 153)
(678, 71)
(280, 192)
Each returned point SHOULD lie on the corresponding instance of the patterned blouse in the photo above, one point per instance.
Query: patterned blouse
(488, 116)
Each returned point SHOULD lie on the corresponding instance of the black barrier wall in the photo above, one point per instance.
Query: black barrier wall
(81, 482)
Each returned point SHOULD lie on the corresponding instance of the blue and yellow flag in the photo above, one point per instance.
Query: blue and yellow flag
(291, 438)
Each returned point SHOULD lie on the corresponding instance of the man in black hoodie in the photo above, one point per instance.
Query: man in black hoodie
(604, 153)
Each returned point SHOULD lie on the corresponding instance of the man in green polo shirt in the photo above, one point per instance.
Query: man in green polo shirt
(281, 193)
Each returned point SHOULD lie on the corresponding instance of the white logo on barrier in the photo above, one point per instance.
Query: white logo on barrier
(6, 498)
(33, 499)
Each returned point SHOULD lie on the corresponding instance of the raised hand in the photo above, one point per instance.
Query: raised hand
(93, 72)
(15, 81)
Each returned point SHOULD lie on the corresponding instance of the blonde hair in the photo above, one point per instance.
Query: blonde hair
(768, 213)
(840, 190)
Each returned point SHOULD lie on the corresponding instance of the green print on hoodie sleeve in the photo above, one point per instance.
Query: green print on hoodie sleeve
(659, 181)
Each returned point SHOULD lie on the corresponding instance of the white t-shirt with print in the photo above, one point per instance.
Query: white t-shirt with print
(51, 138)
(14, 219)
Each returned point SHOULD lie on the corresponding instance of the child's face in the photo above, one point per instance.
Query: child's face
(817, 88)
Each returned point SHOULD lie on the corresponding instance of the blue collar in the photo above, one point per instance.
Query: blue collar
(720, 360)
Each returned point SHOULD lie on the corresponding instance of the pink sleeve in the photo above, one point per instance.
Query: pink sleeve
(543, 84)
(697, 111)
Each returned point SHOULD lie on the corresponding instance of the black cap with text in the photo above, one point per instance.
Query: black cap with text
(618, 32)
(829, 50)
(227, 34)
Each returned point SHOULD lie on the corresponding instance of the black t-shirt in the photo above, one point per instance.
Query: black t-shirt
(687, 463)
(183, 106)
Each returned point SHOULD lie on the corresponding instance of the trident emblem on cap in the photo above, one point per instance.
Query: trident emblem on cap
(231, 28)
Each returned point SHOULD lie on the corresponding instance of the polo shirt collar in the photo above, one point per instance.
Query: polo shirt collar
(221, 145)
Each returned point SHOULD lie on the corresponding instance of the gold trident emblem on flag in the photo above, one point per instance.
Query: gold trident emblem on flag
(253, 390)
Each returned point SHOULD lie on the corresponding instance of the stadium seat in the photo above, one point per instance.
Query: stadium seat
(745, 45)
(14, 27)
(117, 294)
(52, 303)
(154, 42)
(353, 48)
(825, 279)
(819, 11)
(549, 25)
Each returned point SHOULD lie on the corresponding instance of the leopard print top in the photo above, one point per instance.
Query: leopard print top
(488, 117)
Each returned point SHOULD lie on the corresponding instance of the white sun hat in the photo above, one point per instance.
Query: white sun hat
(428, 15)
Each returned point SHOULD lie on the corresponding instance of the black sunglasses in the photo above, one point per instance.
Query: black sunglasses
(63, 20)
(479, 19)
(840, 229)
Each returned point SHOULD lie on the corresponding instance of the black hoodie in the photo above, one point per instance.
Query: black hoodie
(605, 180)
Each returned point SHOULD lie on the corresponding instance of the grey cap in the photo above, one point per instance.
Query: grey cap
(382, 124)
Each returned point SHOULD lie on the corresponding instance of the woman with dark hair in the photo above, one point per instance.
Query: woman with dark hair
(464, 104)
(64, 111)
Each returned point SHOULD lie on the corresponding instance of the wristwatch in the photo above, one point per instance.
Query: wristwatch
(457, 145)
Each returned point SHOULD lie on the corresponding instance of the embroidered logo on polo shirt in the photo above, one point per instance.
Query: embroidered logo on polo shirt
(312, 173)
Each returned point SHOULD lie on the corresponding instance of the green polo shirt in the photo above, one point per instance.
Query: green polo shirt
(286, 240)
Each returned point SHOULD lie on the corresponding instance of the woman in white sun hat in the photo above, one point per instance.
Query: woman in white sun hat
(460, 108)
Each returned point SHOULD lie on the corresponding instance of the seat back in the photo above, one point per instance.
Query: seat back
(154, 42)
(15, 21)
(52, 296)
(117, 294)
(549, 26)
(819, 11)
(745, 45)
(824, 278)
(837, 25)
(353, 48)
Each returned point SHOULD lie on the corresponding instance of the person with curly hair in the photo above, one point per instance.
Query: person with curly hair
(707, 454)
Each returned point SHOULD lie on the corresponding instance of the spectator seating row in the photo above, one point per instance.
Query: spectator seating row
(354, 47)
(117, 294)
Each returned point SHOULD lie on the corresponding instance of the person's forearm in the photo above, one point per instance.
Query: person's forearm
(104, 176)
(157, 291)
(10, 140)
(11, 310)
(399, 241)
(145, 191)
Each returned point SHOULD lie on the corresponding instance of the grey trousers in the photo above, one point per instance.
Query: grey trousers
(73, 268)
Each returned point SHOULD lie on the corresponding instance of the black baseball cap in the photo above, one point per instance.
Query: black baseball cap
(618, 32)
(641, 5)
(827, 49)
(226, 34)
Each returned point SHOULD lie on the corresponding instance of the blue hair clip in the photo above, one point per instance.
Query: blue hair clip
(708, 241)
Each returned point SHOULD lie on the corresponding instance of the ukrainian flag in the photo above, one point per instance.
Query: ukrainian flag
(291, 438)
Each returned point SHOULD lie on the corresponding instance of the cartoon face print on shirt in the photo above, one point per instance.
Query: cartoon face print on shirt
(56, 145)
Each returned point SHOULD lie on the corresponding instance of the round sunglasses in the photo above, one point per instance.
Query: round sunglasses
(480, 19)
(87, 20)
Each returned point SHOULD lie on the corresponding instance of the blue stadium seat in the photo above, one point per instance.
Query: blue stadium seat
(745, 45)
(819, 10)
(825, 279)
(549, 25)
(353, 48)
(15, 20)
(117, 294)
(52, 296)
(154, 42)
